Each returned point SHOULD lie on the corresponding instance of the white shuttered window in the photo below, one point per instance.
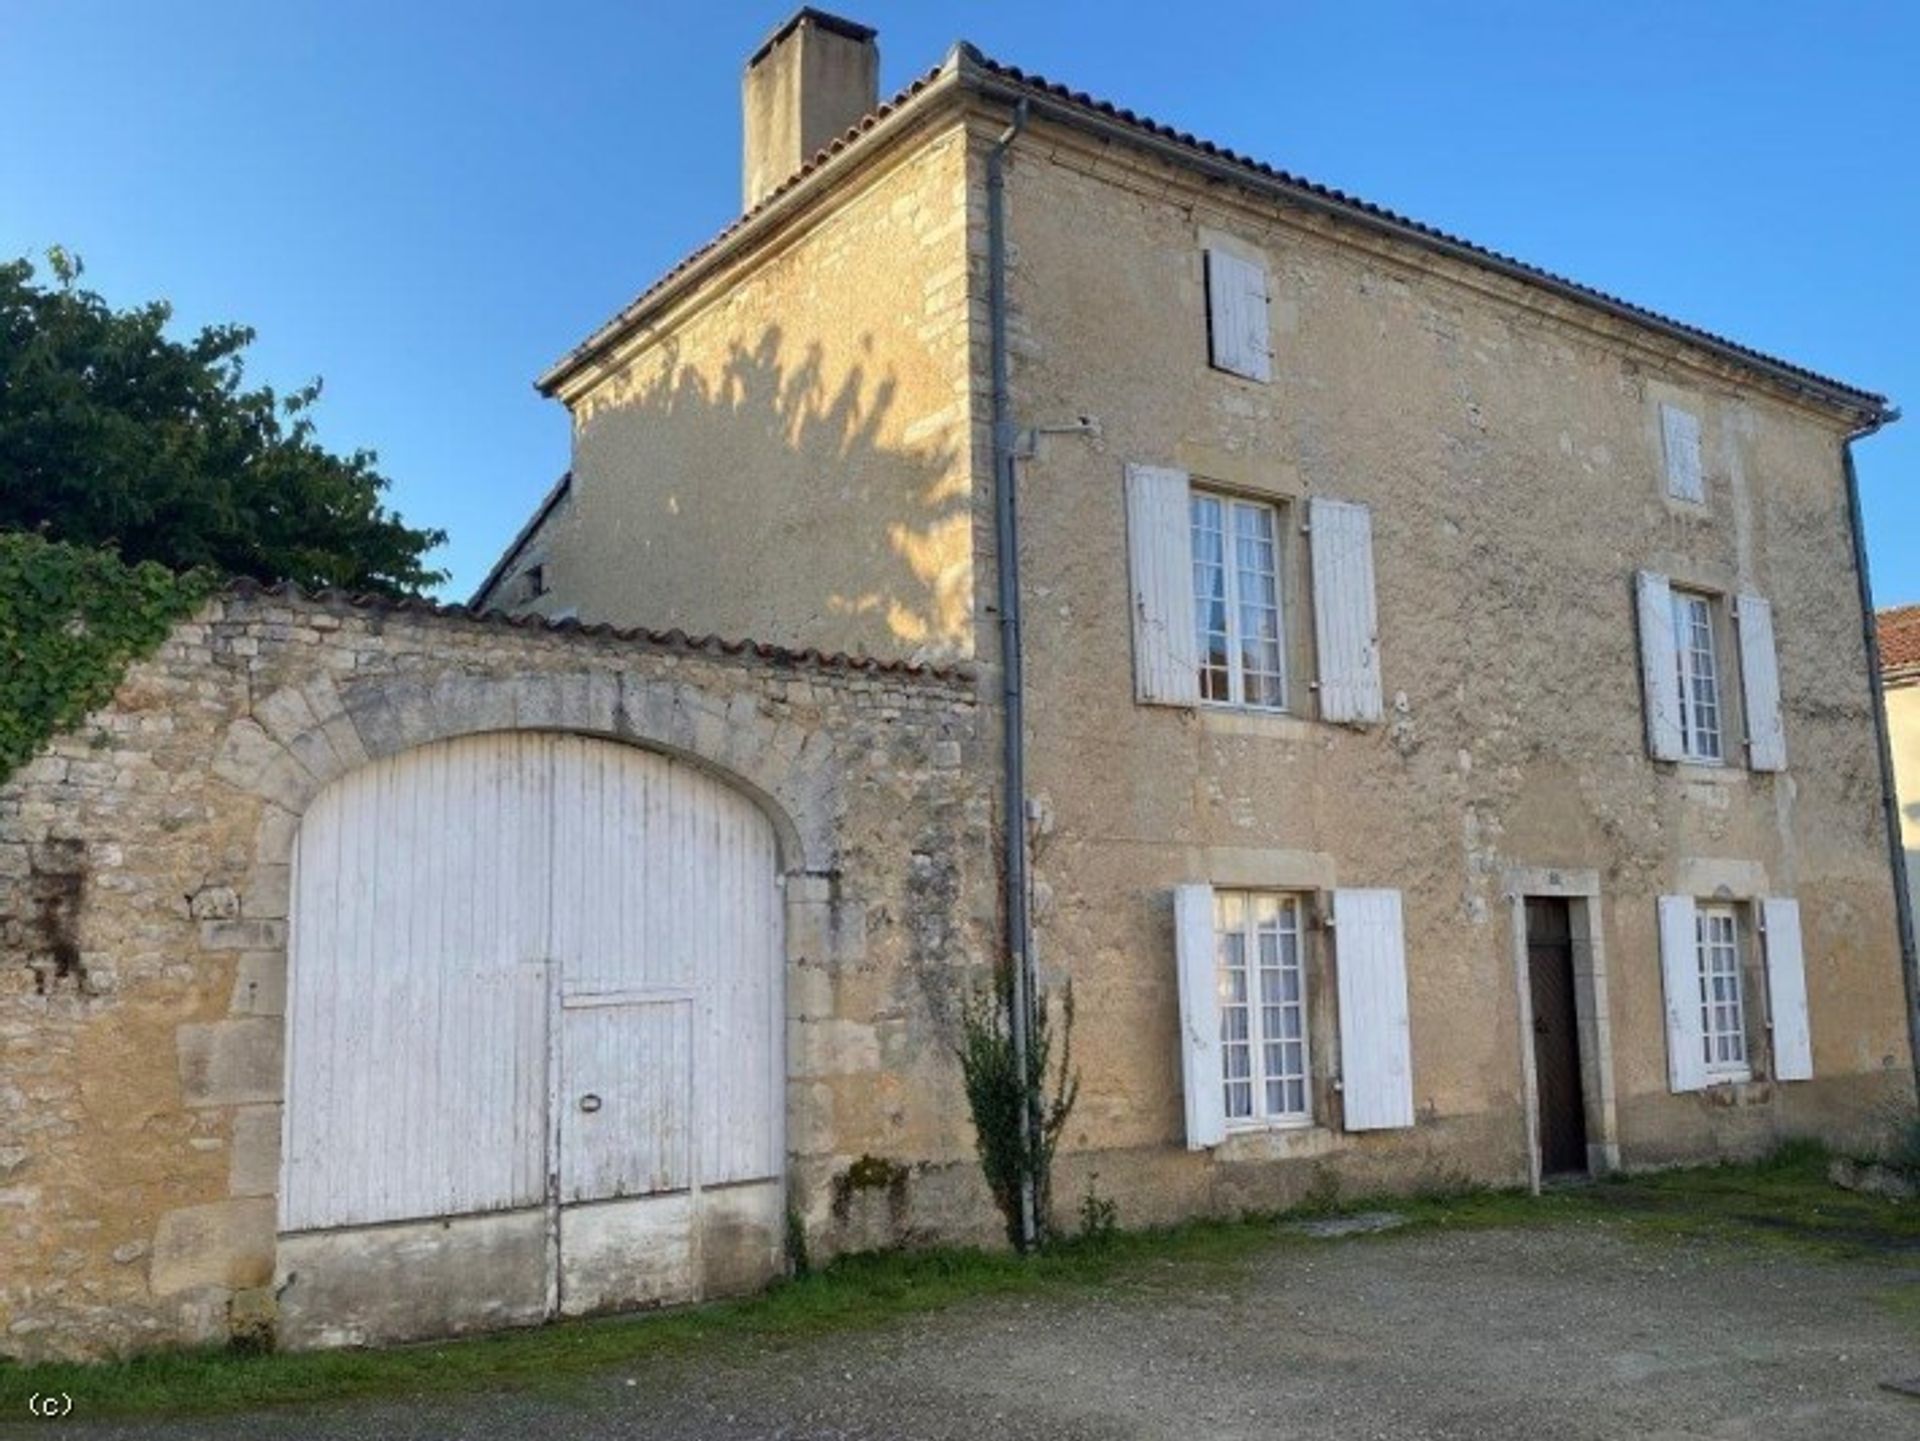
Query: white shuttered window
(1698, 677)
(1680, 980)
(1787, 990)
(1680, 435)
(1723, 1009)
(1200, 1063)
(1376, 1064)
(1236, 601)
(1346, 622)
(1209, 582)
(1237, 316)
(1760, 685)
(1659, 665)
(1166, 668)
(1263, 1008)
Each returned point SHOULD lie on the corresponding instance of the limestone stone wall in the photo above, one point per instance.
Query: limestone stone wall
(1509, 448)
(143, 924)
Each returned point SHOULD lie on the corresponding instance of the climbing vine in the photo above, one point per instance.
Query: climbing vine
(1012, 1155)
(71, 620)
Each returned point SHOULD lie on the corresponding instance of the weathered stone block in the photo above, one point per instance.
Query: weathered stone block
(231, 1062)
(223, 1243)
(243, 935)
(260, 984)
(254, 1156)
(214, 903)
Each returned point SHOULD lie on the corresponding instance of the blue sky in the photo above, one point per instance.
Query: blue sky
(425, 203)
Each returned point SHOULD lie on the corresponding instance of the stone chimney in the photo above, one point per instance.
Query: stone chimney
(811, 79)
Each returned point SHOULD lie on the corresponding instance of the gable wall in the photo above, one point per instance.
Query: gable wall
(787, 454)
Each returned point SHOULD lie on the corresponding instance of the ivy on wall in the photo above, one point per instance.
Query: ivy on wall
(72, 619)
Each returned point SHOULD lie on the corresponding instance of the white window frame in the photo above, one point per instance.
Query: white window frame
(1232, 582)
(1272, 1057)
(1721, 970)
(1693, 613)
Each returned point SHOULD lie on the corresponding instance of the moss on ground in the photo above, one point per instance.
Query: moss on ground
(1784, 1203)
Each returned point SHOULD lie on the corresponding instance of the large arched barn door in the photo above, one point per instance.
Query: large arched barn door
(534, 1056)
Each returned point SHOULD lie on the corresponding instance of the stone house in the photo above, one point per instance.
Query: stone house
(1409, 635)
(1421, 705)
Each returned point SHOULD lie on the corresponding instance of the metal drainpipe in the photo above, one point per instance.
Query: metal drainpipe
(1889, 796)
(1019, 937)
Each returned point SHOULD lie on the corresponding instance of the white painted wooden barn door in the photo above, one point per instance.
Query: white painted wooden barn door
(531, 969)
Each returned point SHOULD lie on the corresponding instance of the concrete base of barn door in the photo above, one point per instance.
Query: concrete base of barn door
(461, 1275)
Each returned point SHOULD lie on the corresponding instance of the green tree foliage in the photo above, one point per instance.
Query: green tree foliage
(113, 434)
(71, 618)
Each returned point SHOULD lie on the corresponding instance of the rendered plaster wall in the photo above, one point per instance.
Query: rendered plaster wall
(1903, 725)
(143, 922)
(1509, 447)
(785, 453)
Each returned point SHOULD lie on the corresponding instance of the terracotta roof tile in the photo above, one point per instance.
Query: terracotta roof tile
(1899, 630)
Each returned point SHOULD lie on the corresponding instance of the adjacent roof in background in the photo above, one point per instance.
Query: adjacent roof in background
(1899, 630)
(997, 80)
(561, 488)
(675, 639)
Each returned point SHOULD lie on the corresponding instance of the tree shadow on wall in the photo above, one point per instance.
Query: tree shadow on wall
(777, 498)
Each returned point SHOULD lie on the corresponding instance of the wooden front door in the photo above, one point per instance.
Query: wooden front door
(1562, 1136)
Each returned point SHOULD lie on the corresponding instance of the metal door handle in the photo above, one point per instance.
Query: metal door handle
(590, 1102)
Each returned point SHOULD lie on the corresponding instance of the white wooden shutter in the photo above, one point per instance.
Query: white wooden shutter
(1787, 990)
(1659, 666)
(1166, 661)
(1680, 973)
(1237, 316)
(1346, 625)
(1680, 430)
(1760, 684)
(1201, 1074)
(1376, 1062)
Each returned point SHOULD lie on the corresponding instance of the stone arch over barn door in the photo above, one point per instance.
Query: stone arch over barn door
(300, 738)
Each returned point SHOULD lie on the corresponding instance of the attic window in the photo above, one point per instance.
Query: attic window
(535, 577)
(1237, 316)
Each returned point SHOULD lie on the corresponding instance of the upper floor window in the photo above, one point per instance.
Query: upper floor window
(1237, 325)
(1211, 575)
(1680, 438)
(1708, 668)
(1699, 677)
(1236, 601)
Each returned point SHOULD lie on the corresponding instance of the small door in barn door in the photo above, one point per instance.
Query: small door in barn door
(626, 1097)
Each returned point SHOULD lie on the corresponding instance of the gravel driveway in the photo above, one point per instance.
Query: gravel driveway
(1568, 1332)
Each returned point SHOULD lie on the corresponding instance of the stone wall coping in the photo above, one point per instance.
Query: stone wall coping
(246, 590)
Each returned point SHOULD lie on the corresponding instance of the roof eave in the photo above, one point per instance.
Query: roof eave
(993, 81)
